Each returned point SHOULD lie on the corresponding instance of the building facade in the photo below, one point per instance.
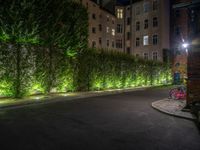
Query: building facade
(149, 29)
(140, 28)
(102, 26)
(179, 36)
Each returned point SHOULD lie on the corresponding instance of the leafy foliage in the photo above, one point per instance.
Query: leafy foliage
(100, 70)
(37, 39)
(43, 49)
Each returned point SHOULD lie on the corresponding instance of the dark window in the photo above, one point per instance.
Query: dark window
(155, 22)
(100, 41)
(128, 50)
(118, 43)
(119, 28)
(93, 16)
(137, 10)
(128, 35)
(107, 43)
(155, 4)
(137, 26)
(155, 56)
(100, 27)
(146, 7)
(128, 21)
(146, 56)
(108, 19)
(113, 44)
(155, 39)
(146, 24)
(93, 44)
(137, 42)
(177, 30)
(113, 22)
(93, 30)
(177, 13)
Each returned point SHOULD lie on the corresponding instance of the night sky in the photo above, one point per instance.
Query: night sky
(123, 1)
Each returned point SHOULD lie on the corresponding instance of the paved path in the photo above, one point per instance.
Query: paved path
(173, 107)
(117, 122)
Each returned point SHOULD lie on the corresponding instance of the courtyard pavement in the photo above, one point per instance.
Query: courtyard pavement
(123, 121)
(173, 107)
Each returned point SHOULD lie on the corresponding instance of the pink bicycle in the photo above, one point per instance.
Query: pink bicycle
(178, 93)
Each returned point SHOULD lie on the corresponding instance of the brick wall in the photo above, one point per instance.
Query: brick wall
(193, 83)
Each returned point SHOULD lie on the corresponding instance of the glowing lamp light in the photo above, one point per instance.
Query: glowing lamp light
(185, 45)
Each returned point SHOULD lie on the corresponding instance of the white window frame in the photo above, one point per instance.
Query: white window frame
(145, 40)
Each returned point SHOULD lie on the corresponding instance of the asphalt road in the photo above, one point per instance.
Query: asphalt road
(116, 122)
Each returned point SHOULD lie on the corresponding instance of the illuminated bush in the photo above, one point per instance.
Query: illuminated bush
(99, 70)
(43, 49)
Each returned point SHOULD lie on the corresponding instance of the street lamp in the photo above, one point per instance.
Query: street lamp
(185, 45)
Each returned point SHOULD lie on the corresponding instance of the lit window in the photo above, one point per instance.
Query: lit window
(155, 56)
(113, 32)
(155, 39)
(146, 40)
(146, 56)
(120, 13)
(107, 29)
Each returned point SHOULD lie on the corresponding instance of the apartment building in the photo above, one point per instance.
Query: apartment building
(102, 26)
(140, 28)
(149, 29)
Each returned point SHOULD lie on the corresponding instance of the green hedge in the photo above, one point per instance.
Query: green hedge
(27, 70)
(43, 49)
(99, 70)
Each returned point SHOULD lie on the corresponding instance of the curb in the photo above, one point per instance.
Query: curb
(59, 98)
(179, 114)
